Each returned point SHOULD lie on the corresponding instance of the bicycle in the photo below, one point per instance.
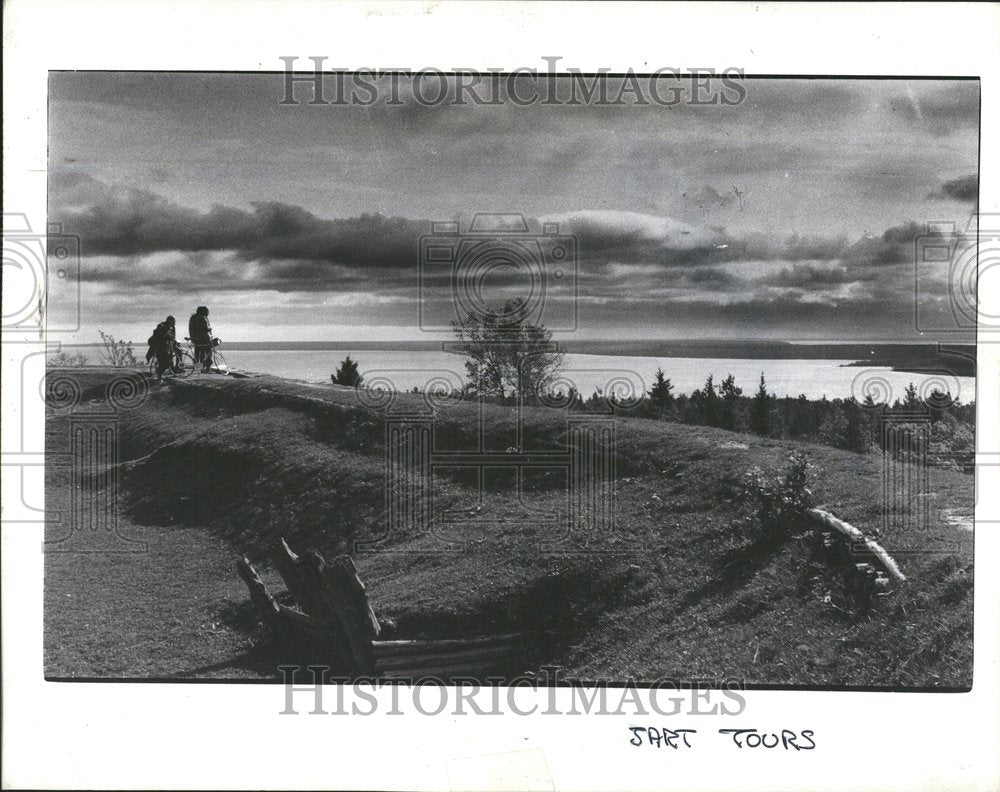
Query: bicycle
(218, 366)
(183, 364)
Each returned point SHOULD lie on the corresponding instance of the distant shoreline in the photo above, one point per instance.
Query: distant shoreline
(916, 358)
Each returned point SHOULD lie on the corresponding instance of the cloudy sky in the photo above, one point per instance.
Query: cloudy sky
(790, 216)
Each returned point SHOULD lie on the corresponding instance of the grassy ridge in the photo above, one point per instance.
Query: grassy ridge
(676, 591)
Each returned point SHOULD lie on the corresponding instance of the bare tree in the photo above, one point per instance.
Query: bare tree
(116, 352)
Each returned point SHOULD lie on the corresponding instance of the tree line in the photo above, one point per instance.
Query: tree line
(942, 423)
(511, 360)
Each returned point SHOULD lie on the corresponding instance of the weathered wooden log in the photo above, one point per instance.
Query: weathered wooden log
(265, 604)
(334, 596)
(864, 586)
(275, 615)
(321, 624)
(302, 626)
(337, 615)
(338, 592)
(345, 583)
(415, 647)
(826, 520)
(476, 655)
(287, 564)
(443, 673)
(443, 659)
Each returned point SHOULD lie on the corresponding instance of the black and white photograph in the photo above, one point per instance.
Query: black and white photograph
(587, 386)
(695, 400)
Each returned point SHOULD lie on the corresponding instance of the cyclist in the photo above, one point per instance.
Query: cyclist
(200, 331)
(163, 344)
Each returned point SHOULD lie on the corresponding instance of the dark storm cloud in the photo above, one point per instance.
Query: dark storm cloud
(765, 217)
(965, 189)
(192, 272)
(633, 281)
(135, 239)
(633, 238)
(123, 221)
(897, 245)
(710, 277)
(784, 314)
(806, 276)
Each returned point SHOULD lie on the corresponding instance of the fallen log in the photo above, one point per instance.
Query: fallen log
(425, 646)
(451, 657)
(275, 615)
(334, 613)
(334, 596)
(444, 673)
(826, 520)
(259, 595)
(287, 564)
(302, 626)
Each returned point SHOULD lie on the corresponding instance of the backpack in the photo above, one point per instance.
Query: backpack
(159, 336)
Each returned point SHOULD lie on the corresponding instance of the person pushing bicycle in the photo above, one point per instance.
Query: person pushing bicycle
(163, 344)
(200, 331)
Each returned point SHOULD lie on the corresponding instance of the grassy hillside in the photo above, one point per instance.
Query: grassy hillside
(679, 590)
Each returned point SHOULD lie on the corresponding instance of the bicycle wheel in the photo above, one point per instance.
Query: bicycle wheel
(188, 366)
(219, 364)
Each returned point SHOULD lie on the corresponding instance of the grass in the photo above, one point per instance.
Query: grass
(219, 467)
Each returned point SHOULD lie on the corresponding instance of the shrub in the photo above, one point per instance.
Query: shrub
(347, 374)
(62, 359)
(778, 501)
(117, 353)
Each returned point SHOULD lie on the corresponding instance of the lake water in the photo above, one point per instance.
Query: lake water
(621, 374)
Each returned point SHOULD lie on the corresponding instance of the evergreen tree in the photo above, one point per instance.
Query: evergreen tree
(347, 374)
(937, 404)
(833, 428)
(706, 402)
(858, 434)
(661, 394)
(597, 403)
(800, 422)
(760, 417)
(730, 403)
